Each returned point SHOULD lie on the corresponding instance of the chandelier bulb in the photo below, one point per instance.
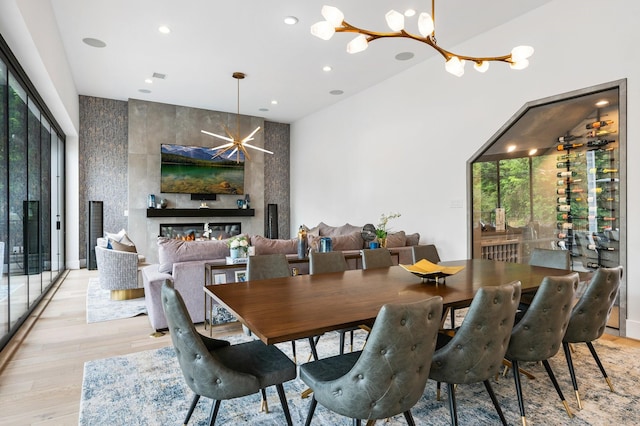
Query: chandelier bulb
(481, 66)
(358, 44)
(323, 29)
(455, 66)
(519, 65)
(395, 20)
(521, 52)
(425, 24)
(333, 15)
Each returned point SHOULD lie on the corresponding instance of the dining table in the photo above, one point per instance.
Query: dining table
(284, 309)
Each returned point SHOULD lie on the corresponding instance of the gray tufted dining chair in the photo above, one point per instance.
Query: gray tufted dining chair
(389, 375)
(266, 266)
(589, 318)
(376, 258)
(215, 369)
(538, 335)
(324, 263)
(428, 251)
(475, 351)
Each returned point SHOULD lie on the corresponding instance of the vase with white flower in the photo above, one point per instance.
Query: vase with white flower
(381, 230)
(238, 246)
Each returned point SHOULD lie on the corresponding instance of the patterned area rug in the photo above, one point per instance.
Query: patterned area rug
(147, 388)
(101, 308)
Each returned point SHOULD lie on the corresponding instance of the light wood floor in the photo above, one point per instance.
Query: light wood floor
(41, 370)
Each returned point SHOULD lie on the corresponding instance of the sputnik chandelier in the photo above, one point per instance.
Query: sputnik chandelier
(235, 144)
(335, 23)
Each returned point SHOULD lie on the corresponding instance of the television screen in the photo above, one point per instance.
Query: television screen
(193, 170)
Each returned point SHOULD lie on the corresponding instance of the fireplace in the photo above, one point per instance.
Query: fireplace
(193, 231)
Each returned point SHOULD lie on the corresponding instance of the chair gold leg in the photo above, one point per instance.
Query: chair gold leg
(578, 399)
(306, 393)
(371, 422)
(264, 406)
(609, 383)
(566, 407)
(524, 420)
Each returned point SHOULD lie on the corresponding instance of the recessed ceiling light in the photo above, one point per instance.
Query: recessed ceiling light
(94, 42)
(263, 109)
(290, 20)
(533, 151)
(336, 92)
(148, 80)
(164, 29)
(404, 56)
(409, 13)
(144, 90)
(602, 103)
(511, 148)
(274, 102)
(326, 68)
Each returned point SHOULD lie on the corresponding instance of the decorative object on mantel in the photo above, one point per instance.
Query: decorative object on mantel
(238, 247)
(203, 205)
(517, 59)
(381, 230)
(162, 204)
(236, 145)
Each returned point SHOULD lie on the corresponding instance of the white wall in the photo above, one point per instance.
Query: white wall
(403, 145)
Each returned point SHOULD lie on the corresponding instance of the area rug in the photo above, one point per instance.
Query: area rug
(147, 388)
(101, 308)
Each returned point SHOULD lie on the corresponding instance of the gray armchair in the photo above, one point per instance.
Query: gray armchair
(217, 370)
(589, 318)
(475, 352)
(376, 258)
(538, 335)
(389, 375)
(118, 272)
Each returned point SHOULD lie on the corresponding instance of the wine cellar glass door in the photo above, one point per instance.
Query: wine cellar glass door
(553, 177)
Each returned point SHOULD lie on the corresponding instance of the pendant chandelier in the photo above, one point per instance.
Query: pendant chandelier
(335, 23)
(235, 144)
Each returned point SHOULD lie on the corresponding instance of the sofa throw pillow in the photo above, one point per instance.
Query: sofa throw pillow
(334, 231)
(131, 248)
(265, 245)
(173, 251)
(413, 239)
(396, 239)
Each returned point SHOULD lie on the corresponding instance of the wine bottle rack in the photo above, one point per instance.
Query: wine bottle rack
(587, 195)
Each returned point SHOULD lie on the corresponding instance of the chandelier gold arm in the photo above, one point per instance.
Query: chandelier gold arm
(430, 40)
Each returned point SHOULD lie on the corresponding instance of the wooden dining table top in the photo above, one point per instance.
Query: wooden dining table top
(283, 309)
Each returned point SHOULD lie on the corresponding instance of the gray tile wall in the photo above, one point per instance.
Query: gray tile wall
(120, 165)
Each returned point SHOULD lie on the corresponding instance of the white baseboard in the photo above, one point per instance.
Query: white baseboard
(633, 329)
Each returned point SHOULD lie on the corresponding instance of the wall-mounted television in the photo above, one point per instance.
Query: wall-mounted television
(194, 170)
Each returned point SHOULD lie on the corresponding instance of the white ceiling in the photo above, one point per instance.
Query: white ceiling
(211, 39)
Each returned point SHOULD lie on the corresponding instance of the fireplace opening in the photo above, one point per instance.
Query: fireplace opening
(194, 231)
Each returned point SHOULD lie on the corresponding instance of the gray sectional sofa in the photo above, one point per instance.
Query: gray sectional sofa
(183, 263)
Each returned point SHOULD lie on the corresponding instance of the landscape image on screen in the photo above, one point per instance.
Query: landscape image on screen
(193, 170)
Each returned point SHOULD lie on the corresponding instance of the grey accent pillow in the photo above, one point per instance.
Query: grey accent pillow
(396, 239)
(131, 248)
(351, 241)
(413, 239)
(265, 245)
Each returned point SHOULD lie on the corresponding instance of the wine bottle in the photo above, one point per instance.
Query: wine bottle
(563, 191)
(599, 124)
(568, 173)
(568, 138)
(565, 164)
(565, 157)
(604, 218)
(565, 225)
(563, 216)
(563, 182)
(564, 147)
(603, 199)
(604, 180)
(597, 133)
(599, 143)
(592, 265)
(595, 170)
(564, 208)
(594, 247)
(562, 235)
